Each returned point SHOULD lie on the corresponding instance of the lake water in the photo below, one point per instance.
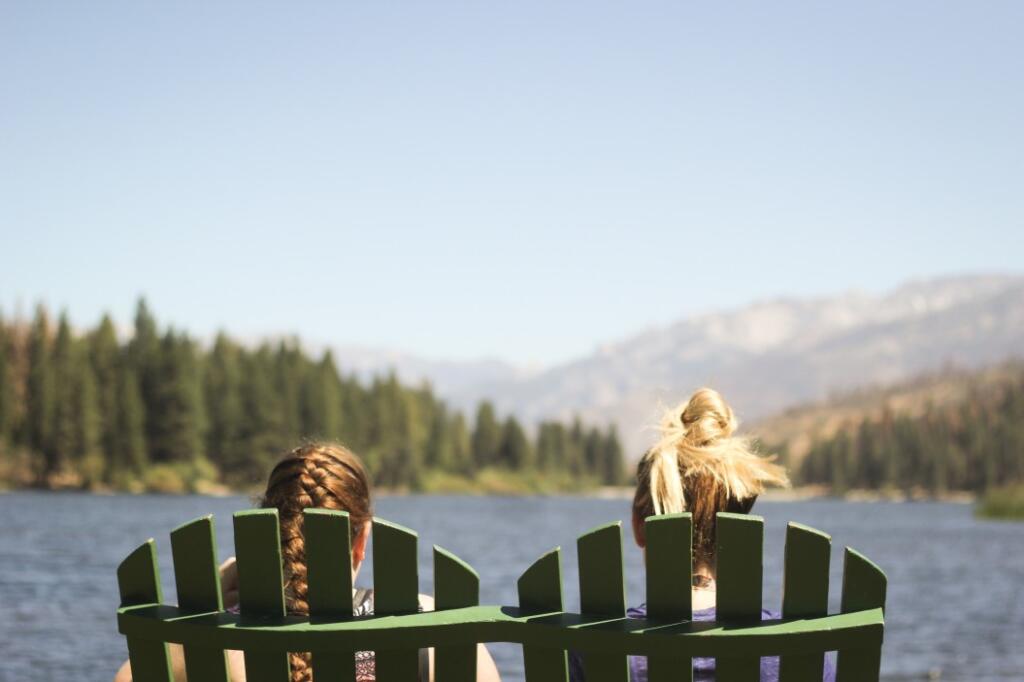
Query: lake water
(955, 608)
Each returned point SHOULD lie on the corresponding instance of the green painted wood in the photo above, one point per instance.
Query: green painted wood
(602, 593)
(138, 581)
(738, 574)
(805, 594)
(599, 552)
(329, 576)
(540, 592)
(540, 586)
(539, 625)
(197, 578)
(149, 660)
(328, 563)
(138, 576)
(864, 583)
(864, 588)
(261, 589)
(395, 591)
(456, 585)
(586, 634)
(669, 567)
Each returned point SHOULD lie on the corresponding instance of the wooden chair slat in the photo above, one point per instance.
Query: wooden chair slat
(138, 576)
(334, 667)
(669, 552)
(261, 587)
(540, 586)
(600, 633)
(456, 585)
(593, 634)
(197, 579)
(540, 591)
(864, 587)
(805, 594)
(395, 591)
(138, 581)
(739, 558)
(602, 593)
(329, 579)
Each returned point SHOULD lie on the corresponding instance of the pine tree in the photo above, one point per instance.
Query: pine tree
(289, 364)
(462, 447)
(546, 456)
(1011, 417)
(322, 408)
(559, 456)
(614, 471)
(395, 443)
(903, 437)
(88, 452)
(355, 414)
(439, 453)
(410, 437)
(65, 428)
(145, 354)
(177, 423)
(486, 436)
(222, 382)
(841, 448)
(7, 394)
(105, 356)
(866, 443)
(261, 439)
(593, 454)
(574, 458)
(130, 453)
(514, 452)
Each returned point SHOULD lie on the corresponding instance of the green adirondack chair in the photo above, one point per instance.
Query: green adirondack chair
(601, 633)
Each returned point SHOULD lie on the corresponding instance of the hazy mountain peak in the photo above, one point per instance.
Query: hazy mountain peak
(764, 357)
(775, 353)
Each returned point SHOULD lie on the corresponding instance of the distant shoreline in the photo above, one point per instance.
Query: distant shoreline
(813, 492)
(797, 494)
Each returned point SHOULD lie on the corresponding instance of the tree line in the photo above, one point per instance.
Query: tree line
(970, 445)
(160, 411)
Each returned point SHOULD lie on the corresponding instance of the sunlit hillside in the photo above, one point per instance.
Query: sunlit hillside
(952, 430)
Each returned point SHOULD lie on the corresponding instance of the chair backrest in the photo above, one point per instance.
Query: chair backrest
(600, 633)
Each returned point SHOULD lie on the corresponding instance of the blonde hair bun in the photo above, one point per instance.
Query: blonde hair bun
(702, 420)
(697, 438)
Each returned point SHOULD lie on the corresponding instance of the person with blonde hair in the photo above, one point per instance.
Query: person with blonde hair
(699, 465)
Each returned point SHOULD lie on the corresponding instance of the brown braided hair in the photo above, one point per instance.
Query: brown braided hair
(323, 475)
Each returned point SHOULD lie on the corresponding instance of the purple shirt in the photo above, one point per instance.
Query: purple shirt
(703, 668)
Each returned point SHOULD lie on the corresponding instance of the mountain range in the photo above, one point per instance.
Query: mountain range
(765, 357)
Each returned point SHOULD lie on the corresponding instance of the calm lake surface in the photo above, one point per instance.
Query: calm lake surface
(955, 608)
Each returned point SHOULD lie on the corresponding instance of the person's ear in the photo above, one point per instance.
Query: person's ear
(359, 545)
(638, 531)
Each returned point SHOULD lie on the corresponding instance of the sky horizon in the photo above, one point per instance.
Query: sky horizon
(518, 182)
(22, 311)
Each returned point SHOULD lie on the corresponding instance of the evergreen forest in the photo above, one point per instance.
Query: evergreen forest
(973, 444)
(160, 411)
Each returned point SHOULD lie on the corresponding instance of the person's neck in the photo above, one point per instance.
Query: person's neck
(704, 594)
(703, 599)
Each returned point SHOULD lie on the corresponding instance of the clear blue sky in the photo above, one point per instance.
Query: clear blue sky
(522, 180)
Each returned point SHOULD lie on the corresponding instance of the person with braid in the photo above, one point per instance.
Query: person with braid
(325, 476)
(699, 466)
